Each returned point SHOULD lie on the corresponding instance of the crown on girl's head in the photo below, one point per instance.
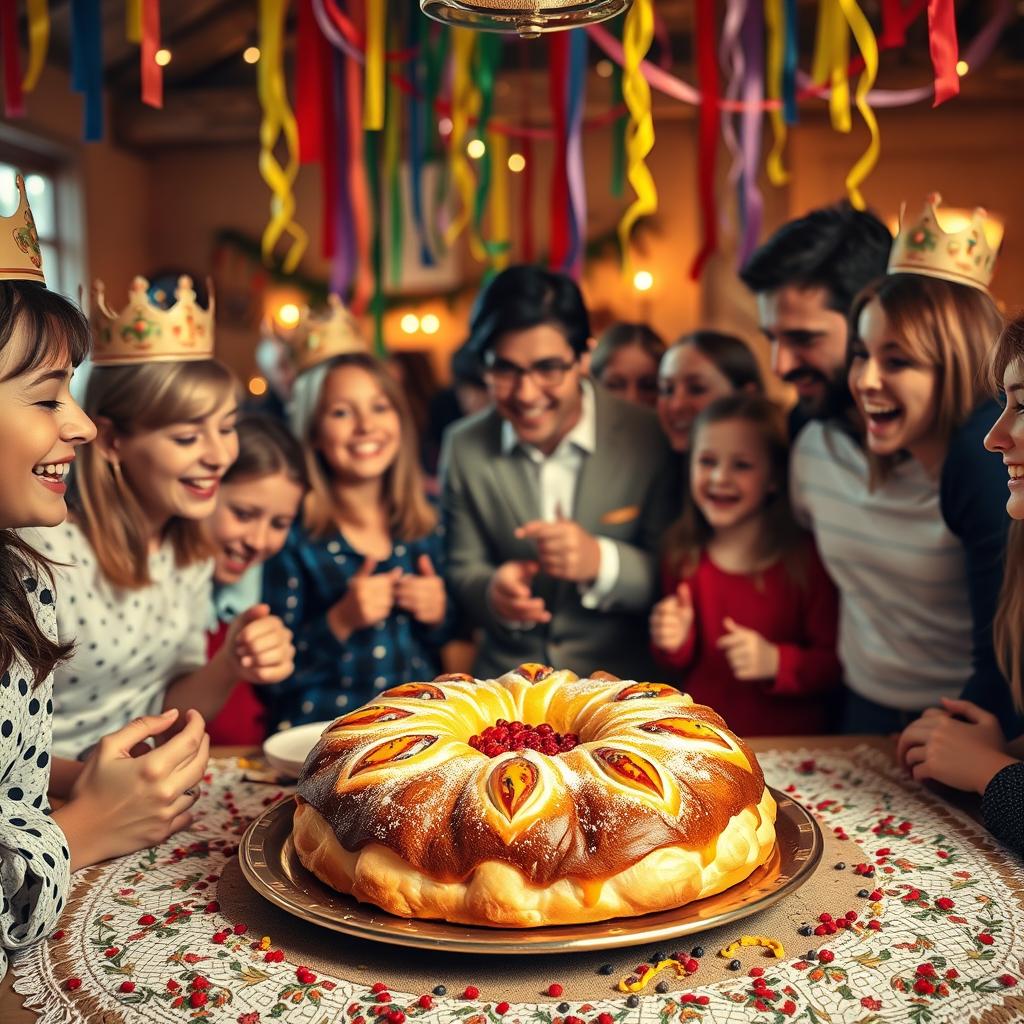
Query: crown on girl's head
(20, 258)
(960, 248)
(320, 336)
(144, 333)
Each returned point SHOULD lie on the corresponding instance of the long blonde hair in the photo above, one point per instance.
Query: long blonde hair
(1008, 628)
(410, 515)
(950, 327)
(146, 396)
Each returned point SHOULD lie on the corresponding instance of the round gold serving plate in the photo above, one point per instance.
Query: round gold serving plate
(271, 866)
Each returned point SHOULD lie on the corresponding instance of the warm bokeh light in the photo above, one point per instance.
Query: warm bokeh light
(962, 67)
(643, 280)
(430, 324)
(34, 185)
(605, 68)
(257, 386)
(251, 54)
(288, 315)
(444, 126)
(410, 323)
(162, 57)
(517, 163)
(476, 148)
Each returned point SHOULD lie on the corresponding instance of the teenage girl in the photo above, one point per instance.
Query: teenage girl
(259, 500)
(359, 579)
(120, 803)
(625, 362)
(750, 615)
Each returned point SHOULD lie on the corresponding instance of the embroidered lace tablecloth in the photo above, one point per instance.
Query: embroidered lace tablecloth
(939, 937)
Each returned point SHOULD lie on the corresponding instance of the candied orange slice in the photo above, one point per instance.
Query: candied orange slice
(630, 768)
(642, 691)
(415, 691)
(688, 728)
(534, 672)
(511, 785)
(454, 677)
(400, 749)
(369, 716)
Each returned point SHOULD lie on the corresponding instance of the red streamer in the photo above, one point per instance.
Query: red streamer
(151, 73)
(945, 49)
(707, 73)
(310, 57)
(359, 189)
(561, 227)
(14, 97)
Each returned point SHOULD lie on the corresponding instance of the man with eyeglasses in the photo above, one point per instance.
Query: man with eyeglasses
(555, 498)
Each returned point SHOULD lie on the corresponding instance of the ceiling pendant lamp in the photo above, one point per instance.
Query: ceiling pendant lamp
(528, 18)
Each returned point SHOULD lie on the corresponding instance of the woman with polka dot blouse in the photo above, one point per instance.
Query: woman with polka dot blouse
(359, 580)
(114, 809)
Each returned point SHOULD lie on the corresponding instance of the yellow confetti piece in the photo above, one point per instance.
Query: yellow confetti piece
(773, 945)
(629, 985)
(265, 943)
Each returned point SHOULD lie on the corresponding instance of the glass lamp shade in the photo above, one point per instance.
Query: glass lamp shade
(528, 18)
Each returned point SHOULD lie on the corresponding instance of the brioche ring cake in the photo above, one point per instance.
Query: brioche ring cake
(538, 798)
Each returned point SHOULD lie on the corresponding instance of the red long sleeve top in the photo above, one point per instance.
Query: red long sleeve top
(800, 620)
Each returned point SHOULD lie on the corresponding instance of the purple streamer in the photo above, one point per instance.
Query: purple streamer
(752, 203)
(333, 36)
(574, 150)
(730, 56)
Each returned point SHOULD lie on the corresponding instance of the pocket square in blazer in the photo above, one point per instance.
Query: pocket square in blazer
(617, 516)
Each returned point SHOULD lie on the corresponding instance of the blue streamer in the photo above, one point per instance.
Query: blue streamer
(789, 64)
(87, 64)
(574, 157)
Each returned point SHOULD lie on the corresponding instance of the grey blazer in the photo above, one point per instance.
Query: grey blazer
(625, 492)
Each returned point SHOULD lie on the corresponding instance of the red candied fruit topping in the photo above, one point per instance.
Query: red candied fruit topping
(504, 736)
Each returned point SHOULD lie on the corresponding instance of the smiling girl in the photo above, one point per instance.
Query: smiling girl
(359, 579)
(134, 561)
(750, 614)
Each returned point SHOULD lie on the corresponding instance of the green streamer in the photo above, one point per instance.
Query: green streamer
(393, 168)
(372, 159)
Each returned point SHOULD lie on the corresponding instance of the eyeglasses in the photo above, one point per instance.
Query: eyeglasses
(546, 373)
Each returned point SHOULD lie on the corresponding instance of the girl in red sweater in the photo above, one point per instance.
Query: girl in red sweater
(750, 614)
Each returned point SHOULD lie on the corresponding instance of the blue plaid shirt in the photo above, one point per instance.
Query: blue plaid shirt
(301, 584)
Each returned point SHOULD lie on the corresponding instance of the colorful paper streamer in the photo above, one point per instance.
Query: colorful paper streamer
(14, 98)
(38, 13)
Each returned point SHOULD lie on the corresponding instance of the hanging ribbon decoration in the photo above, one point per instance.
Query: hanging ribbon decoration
(751, 202)
(831, 60)
(419, 119)
(437, 61)
(464, 104)
(730, 56)
(38, 12)
(637, 37)
(150, 73)
(87, 64)
(359, 186)
(526, 185)
(373, 143)
(14, 98)
(346, 246)
(310, 53)
(944, 47)
(774, 18)
(789, 64)
(393, 177)
(376, 33)
(488, 57)
(277, 120)
(574, 169)
(560, 212)
(499, 245)
(133, 21)
(868, 46)
(707, 69)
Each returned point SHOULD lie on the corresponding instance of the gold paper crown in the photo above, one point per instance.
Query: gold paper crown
(20, 258)
(963, 251)
(145, 333)
(320, 336)
(529, 18)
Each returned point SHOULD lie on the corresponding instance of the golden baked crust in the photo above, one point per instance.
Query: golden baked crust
(659, 805)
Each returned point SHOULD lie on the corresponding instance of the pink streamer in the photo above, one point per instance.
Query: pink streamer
(730, 56)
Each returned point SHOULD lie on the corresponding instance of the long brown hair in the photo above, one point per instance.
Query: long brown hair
(782, 537)
(410, 515)
(146, 396)
(54, 332)
(948, 326)
(266, 447)
(1008, 628)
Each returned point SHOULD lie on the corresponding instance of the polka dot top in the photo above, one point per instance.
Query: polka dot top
(34, 857)
(1002, 806)
(129, 644)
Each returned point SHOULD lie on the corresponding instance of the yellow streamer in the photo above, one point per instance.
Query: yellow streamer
(775, 21)
(638, 35)
(500, 244)
(38, 41)
(133, 20)
(465, 102)
(868, 46)
(831, 59)
(278, 120)
(373, 93)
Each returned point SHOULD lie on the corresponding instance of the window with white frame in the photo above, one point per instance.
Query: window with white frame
(42, 196)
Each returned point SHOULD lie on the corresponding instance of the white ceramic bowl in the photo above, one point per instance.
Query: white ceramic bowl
(287, 751)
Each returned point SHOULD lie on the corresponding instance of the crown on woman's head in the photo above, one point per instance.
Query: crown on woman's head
(963, 250)
(20, 257)
(320, 336)
(145, 333)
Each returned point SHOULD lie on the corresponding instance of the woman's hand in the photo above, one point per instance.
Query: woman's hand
(962, 754)
(422, 594)
(368, 600)
(121, 803)
(750, 656)
(260, 646)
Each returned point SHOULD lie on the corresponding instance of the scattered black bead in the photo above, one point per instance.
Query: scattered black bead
(863, 894)
(440, 990)
(661, 987)
(734, 965)
(812, 954)
(658, 957)
(841, 866)
(805, 929)
(632, 1002)
(605, 969)
(562, 1007)
(697, 952)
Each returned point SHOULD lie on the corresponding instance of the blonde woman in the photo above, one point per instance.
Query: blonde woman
(359, 581)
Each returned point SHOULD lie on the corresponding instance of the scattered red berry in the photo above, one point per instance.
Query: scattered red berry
(945, 903)
(554, 989)
(925, 970)
(502, 1008)
(212, 907)
(826, 956)
(305, 975)
(112, 951)
(240, 929)
(396, 1017)
(198, 999)
(127, 986)
(923, 987)
(219, 938)
(952, 973)
(985, 939)
(383, 997)
(172, 985)
(273, 956)
(789, 1007)
(425, 1002)
(1008, 980)
(147, 919)
(824, 918)
(703, 1000)
(875, 925)
(378, 986)
(73, 983)
(199, 983)
(471, 992)
(875, 895)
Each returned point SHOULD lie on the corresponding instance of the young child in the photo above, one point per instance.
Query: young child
(750, 613)
(121, 803)
(359, 580)
(134, 559)
(259, 499)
